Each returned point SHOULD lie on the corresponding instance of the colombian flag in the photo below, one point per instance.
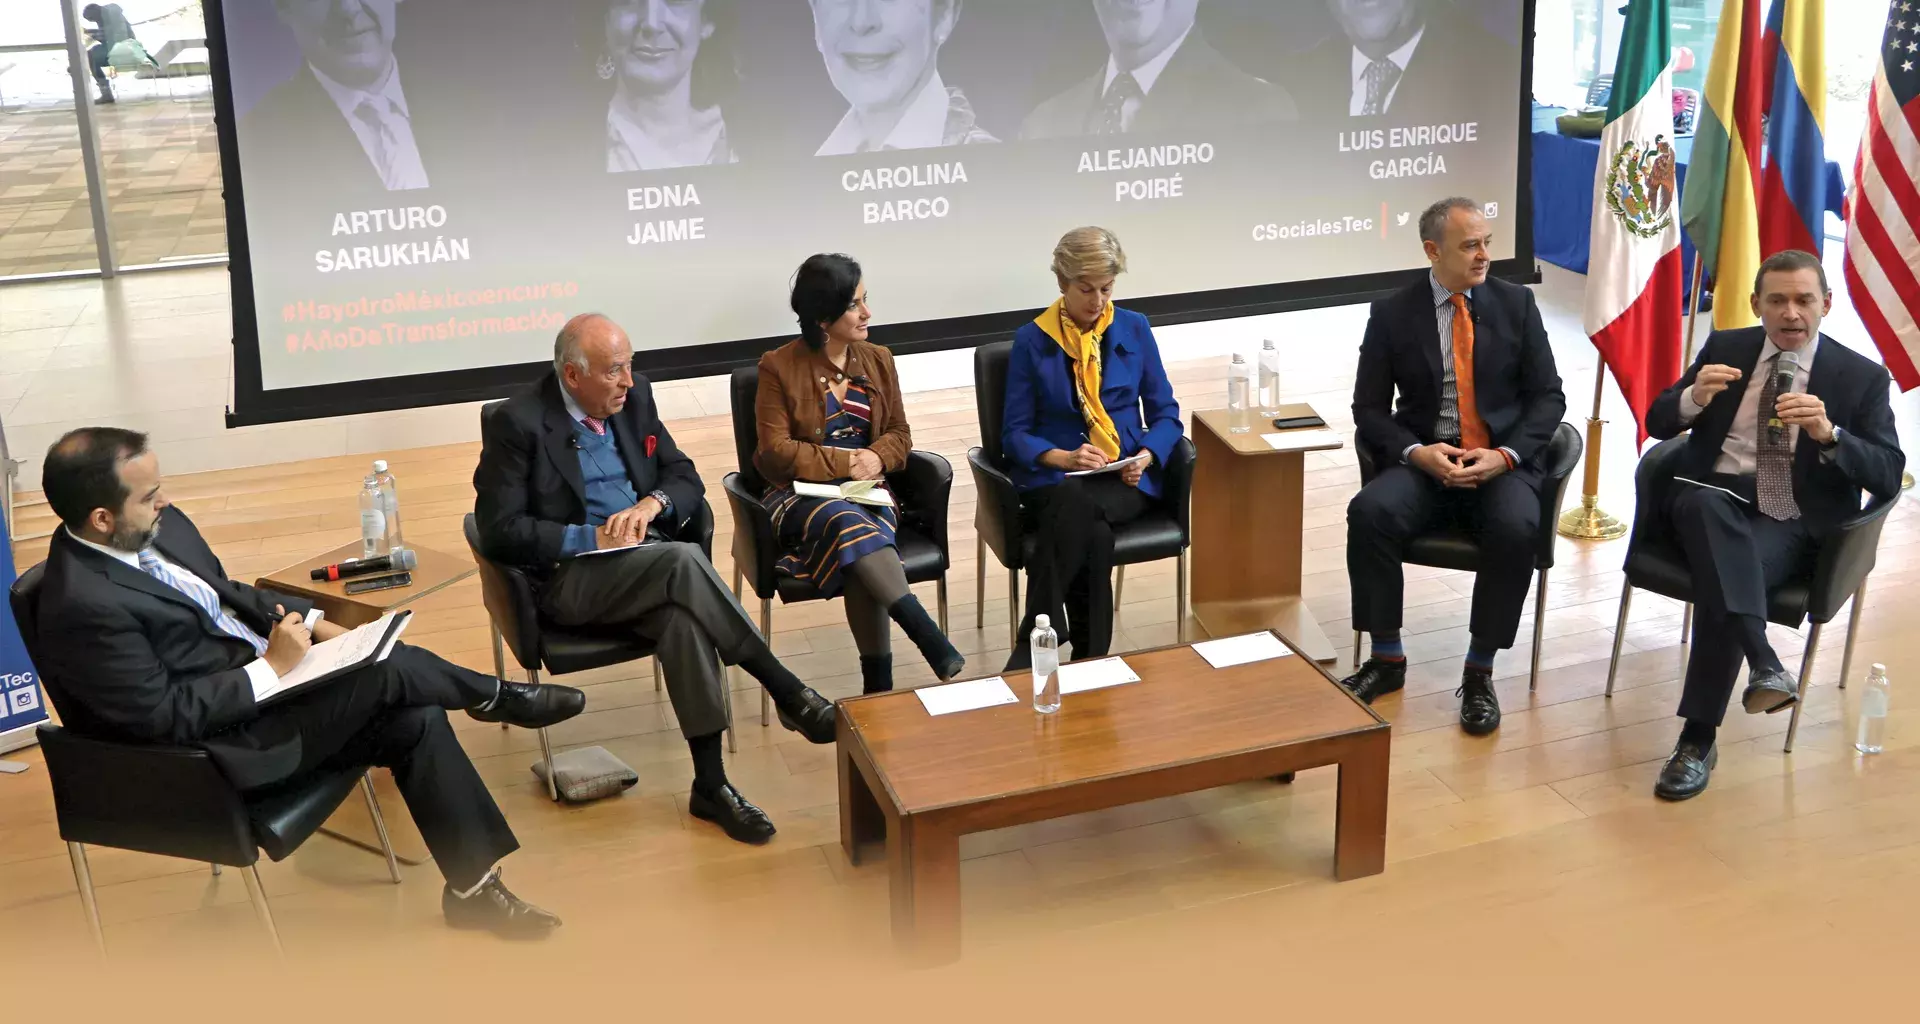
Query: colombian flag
(1720, 207)
(1793, 184)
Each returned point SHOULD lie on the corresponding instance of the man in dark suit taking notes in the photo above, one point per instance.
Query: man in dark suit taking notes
(144, 640)
(581, 463)
(1785, 428)
(1479, 401)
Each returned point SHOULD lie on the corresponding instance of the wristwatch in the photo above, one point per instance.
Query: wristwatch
(1835, 443)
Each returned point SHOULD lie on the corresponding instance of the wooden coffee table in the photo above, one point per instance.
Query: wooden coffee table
(921, 782)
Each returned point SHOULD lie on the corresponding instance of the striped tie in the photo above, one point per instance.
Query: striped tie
(599, 427)
(199, 593)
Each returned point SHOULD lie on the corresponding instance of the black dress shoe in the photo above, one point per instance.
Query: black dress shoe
(810, 715)
(1479, 707)
(1687, 771)
(531, 706)
(1769, 690)
(1377, 678)
(497, 910)
(1283, 778)
(726, 808)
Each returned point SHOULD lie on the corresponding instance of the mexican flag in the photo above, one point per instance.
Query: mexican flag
(1634, 274)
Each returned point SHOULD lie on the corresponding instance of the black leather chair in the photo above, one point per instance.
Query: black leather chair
(1656, 562)
(921, 491)
(1161, 533)
(1451, 549)
(173, 801)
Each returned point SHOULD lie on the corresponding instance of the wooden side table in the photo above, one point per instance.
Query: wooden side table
(1248, 503)
(434, 572)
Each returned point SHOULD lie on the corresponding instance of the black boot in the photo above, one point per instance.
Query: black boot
(925, 634)
(876, 673)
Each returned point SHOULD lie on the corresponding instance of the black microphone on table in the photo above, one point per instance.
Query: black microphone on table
(1785, 365)
(400, 560)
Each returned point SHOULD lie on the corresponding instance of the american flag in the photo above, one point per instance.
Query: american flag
(1883, 230)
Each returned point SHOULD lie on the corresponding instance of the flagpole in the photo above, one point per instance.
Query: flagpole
(1588, 522)
(1693, 310)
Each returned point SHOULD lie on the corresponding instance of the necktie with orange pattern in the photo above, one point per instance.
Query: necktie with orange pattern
(1473, 429)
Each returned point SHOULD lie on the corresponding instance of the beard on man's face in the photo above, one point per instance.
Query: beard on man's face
(127, 537)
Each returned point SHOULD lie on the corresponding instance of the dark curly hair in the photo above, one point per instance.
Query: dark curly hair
(823, 290)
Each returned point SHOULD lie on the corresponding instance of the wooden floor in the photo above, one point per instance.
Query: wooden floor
(1534, 853)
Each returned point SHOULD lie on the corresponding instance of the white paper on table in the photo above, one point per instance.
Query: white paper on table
(1081, 676)
(1301, 439)
(1115, 466)
(968, 696)
(1227, 652)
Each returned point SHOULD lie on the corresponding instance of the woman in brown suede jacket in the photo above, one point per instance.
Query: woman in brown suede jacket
(829, 411)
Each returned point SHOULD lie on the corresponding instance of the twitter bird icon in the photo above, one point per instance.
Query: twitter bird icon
(1401, 220)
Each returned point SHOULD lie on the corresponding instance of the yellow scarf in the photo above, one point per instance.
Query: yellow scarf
(1084, 350)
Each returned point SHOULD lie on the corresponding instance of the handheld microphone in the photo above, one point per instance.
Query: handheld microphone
(401, 559)
(1785, 365)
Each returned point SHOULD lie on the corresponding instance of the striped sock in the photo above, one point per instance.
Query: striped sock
(1386, 646)
(1480, 654)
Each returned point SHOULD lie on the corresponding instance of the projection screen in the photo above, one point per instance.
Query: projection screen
(420, 192)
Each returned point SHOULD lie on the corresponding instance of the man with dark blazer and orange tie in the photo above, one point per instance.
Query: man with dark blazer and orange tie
(1782, 465)
(1479, 400)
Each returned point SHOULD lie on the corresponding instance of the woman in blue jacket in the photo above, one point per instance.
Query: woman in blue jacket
(1085, 388)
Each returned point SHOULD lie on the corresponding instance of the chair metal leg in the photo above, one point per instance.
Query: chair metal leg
(736, 581)
(659, 680)
(1119, 588)
(1356, 649)
(940, 588)
(257, 895)
(766, 630)
(1853, 629)
(1013, 608)
(499, 658)
(546, 748)
(726, 706)
(1619, 634)
(1182, 599)
(1539, 618)
(979, 582)
(379, 826)
(83, 880)
(1686, 626)
(216, 870)
(1806, 674)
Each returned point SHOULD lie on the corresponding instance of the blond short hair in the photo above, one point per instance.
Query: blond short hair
(1089, 252)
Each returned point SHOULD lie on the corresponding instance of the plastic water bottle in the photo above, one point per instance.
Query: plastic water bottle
(373, 520)
(390, 490)
(1269, 380)
(1239, 386)
(1046, 667)
(1873, 712)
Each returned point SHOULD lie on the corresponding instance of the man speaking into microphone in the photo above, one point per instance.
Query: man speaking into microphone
(1787, 427)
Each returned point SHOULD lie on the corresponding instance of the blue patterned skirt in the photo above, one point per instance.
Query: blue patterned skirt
(821, 536)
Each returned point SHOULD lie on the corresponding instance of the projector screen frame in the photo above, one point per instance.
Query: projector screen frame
(254, 406)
